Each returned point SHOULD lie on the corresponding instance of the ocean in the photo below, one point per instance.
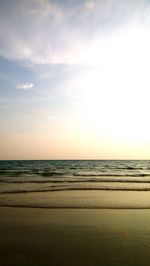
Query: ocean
(21, 179)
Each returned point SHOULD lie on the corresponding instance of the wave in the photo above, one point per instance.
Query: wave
(51, 174)
(56, 189)
(96, 180)
(64, 174)
(28, 172)
(109, 174)
(124, 168)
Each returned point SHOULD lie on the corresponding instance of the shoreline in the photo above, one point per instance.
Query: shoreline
(74, 208)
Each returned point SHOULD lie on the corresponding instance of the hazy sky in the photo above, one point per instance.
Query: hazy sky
(75, 79)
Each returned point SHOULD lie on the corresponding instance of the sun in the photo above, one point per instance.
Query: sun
(115, 88)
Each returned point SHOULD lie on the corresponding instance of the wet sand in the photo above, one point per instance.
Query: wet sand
(101, 199)
(70, 237)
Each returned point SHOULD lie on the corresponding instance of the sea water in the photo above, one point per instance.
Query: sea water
(21, 177)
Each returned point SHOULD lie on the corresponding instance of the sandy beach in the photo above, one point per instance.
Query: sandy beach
(75, 213)
(84, 237)
(100, 199)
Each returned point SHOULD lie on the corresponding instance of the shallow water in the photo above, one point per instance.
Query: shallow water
(26, 183)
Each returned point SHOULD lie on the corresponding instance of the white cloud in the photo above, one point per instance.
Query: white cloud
(91, 4)
(25, 86)
(43, 32)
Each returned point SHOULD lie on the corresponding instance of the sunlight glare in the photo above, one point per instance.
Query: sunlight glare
(115, 89)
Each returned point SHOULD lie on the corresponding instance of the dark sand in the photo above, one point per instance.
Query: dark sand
(74, 237)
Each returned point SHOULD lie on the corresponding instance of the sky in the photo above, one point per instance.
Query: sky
(74, 79)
